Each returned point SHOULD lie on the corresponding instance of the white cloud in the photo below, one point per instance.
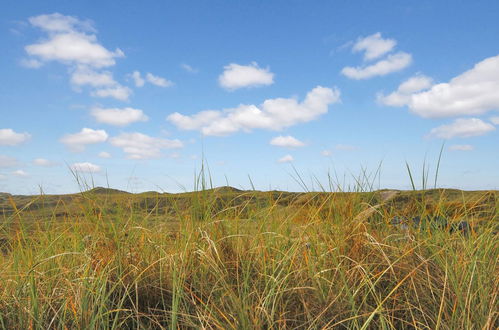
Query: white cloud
(188, 68)
(403, 93)
(69, 41)
(137, 79)
(43, 162)
(119, 92)
(85, 167)
(374, 46)
(6, 161)
(30, 63)
(104, 154)
(286, 141)
(158, 81)
(462, 127)
(8, 137)
(84, 75)
(76, 142)
(118, 117)
(60, 23)
(2, 177)
(20, 173)
(471, 93)
(272, 114)
(494, 120)
(326, 153)
(141, 146)
(461, 147)
(286, 159)
(238, 76)
(392, 63)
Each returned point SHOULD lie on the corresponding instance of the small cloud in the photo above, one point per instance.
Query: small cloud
(286, 159)
(76, 142)
(463, 128)
(30, 63)
(137, 79)
(374, 46)
(158, 81)
(121, 93)
(238, 76)
(20, 173)
(461, 147)
(8, 137)
(43, 162)
(392, 63)
(104, 154)
(326, 153)
(84, 75)
(188, 68)
(85, 167)
(118, 117)
(286, 141)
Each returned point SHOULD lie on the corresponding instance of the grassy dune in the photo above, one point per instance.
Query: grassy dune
(230, 259)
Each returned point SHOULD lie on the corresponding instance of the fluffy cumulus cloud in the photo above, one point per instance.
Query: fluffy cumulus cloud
(462, 127)
(272, 114)
(85, 167)
(43, 162)
(73, 42)
(472, 93)
(70, 40)
(286, 159)
(373, 46)
(461, 147)
(118, 117)
(141, 146)
(238, 76)
(286, 141)
(77, 142)
(392, 63)
(402, 95)
(8, 137)
(6, 161)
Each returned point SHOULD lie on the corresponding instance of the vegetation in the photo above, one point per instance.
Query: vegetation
(225, 258)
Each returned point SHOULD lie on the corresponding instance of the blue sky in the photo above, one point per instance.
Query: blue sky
(133, 94)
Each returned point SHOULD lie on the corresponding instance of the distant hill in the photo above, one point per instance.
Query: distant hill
(106, 191)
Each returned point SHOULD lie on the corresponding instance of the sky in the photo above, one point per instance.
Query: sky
(286, 95)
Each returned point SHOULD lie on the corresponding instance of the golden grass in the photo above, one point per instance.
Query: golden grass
(247, 260)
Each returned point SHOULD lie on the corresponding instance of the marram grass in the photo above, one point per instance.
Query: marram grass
(221, 259)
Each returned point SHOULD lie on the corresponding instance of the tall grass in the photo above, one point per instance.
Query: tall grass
(246, 260)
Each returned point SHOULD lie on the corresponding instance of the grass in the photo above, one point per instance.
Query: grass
(230, 259)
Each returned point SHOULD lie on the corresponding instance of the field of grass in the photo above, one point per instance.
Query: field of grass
(230, 259)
